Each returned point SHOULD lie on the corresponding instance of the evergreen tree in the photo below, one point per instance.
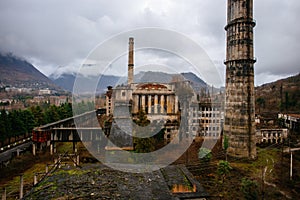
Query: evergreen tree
(28, 120)
(18, 126)
(3, 126)
(20, 122)
(38, 114)
(52, 114)
(147, 144)
(65, 111)
(261, 103)
(287, 101)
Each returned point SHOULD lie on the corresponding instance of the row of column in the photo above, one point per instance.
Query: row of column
(166, 103)
(271, 135)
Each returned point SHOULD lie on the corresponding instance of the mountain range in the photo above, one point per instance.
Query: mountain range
(279, 96)
(17, 72)
(67, 80)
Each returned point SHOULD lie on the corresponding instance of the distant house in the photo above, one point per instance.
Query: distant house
(271, 135)
(38, 99)
(291, 121)
(5, 102)
(44, 91)
(57, 100)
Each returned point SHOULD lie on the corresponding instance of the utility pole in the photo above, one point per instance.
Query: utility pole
(281, 168)
(21, 186)
(291, 161)
(262, 183)
(4, 194)
(291, 166)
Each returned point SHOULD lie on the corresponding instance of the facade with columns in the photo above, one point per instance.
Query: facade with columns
(271, 136)
(157, 100)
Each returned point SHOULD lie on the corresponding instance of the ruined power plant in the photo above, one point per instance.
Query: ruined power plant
(157, 100)
(164, 104)
(161, 103)
(239, 106)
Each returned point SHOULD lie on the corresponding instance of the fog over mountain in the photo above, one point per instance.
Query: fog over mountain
(62, 33)
(17, 72)
(66, 81)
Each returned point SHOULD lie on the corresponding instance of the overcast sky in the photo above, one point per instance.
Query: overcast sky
(56, 36)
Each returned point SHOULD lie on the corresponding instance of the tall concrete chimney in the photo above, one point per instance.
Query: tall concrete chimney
(130, 61)
(239, 106)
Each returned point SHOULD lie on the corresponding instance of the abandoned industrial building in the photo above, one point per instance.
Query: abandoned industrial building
(161, 103)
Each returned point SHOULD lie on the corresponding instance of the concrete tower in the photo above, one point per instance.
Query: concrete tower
(239, 107)
(130, 61)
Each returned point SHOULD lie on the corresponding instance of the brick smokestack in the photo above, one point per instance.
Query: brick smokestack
(239, 124)
(130, 61)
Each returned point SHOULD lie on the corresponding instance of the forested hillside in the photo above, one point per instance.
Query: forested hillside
(279, 96)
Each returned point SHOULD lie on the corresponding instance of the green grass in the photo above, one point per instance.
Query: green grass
(65, 147)
(13, 185)
(266, 164)
(265, 158)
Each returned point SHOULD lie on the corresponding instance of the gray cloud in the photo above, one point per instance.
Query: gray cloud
(276, 39)
(56, 36)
